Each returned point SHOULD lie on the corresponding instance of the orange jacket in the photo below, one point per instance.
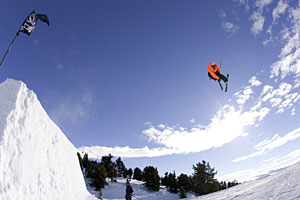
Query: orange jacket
(213, 71)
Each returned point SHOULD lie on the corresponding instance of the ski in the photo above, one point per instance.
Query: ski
(226, 83)
(220, 85)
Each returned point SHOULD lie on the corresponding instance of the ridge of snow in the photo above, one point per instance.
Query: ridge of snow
(37, 161)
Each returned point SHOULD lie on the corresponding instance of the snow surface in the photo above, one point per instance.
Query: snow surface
(116, 191)
(37, 161)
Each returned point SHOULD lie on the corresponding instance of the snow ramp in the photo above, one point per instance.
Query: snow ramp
(37, 161)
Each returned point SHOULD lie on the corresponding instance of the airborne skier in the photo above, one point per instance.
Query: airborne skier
(214, 72)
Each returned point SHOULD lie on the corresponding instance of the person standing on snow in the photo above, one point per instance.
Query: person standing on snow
(129, 191)
(214, 72)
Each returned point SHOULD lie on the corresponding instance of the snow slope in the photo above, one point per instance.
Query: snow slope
(283, 184)
(37, 161)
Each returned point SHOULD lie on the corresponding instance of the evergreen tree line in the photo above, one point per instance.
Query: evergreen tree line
(201, 182)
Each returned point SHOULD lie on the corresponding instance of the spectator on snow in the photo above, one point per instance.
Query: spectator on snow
(129, 191)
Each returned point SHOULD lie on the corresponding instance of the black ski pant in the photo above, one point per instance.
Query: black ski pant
(221, 76)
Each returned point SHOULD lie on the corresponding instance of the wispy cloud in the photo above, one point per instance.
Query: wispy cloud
(267, 167)
(279, 10)
(244, 3)
(243, 95)
(268, 145)
(257, 16)
(229, 27)
(258, 22)
(73, 108)
(254, 82)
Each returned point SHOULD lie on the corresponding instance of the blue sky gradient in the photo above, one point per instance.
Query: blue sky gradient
(131, 78)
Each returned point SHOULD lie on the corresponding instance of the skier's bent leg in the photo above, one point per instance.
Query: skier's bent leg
(224, 78)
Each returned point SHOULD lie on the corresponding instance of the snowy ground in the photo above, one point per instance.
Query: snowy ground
(116, 191)
(283, 184)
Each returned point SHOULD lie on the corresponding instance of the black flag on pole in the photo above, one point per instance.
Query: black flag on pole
(27, 28)
(30, 22)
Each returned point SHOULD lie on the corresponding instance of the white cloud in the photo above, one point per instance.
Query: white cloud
(289, 101)
(262, 3)
(229, 27)
(267, 89)
(275, 101)
(268, 145)
(293, 111)
(257, 16)
(254, 82)
(253, 117)
(243, 2)
(284, 89)
(279, 10)
(244, 95)
(224, 127)
(161, 126)
(256, 106)
(274, 95)
(258, 23)
(99, 151)
(289, 62)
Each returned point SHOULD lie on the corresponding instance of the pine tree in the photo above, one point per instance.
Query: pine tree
(138, 174)
(151, 177)
(109, 166)
(203, 179)
(120, 167)
(129, 173)
(125, 173)
(80, 161)
(164, 180)
(185, 181)
(97, 172)
(85, 161)
(172, 183)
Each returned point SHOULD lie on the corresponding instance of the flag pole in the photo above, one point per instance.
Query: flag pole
(9, 48)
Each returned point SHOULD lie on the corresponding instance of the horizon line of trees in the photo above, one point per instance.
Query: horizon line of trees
(201, 182)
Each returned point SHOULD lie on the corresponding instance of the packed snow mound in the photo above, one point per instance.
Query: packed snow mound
(37, 161)
(282, 184)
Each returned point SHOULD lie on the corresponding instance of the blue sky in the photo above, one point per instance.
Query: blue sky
(130, 78)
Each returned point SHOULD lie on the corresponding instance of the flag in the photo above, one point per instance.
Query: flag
(30, 22)
(27, 28)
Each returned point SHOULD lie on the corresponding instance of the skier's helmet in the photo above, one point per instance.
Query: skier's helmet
(214, 65)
